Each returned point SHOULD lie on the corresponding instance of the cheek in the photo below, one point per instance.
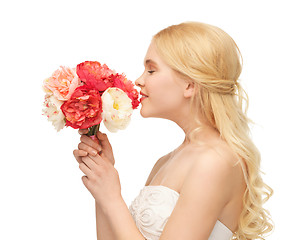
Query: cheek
(164, 92)
(167, 97)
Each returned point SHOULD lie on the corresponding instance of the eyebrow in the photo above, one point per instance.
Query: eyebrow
(150, 61)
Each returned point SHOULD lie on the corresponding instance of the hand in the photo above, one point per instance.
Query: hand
(87, 146)
(101, 179)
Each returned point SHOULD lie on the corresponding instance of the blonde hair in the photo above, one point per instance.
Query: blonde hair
(208, 57)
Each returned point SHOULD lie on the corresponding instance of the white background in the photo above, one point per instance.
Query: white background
(41, 192)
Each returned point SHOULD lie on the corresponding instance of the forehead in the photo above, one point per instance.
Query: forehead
(149, 62)
(152, 57)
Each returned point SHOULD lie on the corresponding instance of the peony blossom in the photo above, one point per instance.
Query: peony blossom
(117, 109)
(62, 83)
(120, 81)
(83, 109)
(53, 112)
(93, 74)
(82, 97)
(47, 91)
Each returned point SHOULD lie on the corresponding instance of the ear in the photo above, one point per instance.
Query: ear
(189, 90)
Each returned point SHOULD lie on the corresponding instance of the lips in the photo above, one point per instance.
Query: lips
(144, 95)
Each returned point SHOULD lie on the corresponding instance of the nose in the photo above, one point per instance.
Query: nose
(139, 82)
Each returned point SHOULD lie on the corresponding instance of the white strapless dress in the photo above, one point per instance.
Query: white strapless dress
(152, 208)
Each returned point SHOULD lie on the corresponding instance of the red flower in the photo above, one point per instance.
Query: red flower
(83, 109)
(93, 74)
(120, 81)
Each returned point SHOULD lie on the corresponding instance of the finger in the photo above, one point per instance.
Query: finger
(85, 181)
(89, 162)
(87, 148)
(103, 138)
(85, 169)
(89, 141)
(83, 131)
(78, 154)
(98, 160)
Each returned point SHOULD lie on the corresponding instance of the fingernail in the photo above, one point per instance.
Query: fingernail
(94, 153)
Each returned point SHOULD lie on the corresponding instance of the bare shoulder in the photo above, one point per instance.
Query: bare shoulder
(217, 162)
(207, 189)
(215, 153)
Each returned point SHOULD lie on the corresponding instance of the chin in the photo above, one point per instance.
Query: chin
(143, 114)
(148, 115)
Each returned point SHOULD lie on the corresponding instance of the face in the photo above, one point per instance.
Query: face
(163, 87)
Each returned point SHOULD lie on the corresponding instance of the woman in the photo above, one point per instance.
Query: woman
(210, 186)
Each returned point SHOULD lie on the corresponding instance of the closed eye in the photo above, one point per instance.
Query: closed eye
(150, 72)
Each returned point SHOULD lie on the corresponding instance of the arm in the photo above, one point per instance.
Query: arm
(104, 231)
(115, 222)
(113, 219)
(206, 190)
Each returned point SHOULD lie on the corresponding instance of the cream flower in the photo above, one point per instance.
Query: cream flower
(53, 111)
(117, 109)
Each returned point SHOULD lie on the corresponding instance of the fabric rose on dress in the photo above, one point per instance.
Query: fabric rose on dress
(62, 83)
(93, 74)
(117, 109)
(83, 109)
(53, 112)
(120, 81)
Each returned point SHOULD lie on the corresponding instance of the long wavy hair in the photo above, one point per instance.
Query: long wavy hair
(208, 57)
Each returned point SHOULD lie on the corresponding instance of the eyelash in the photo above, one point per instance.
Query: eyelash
(150, 72)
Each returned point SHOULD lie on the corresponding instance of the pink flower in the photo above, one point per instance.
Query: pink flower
(62, 83)
(93, 74)
(83, 109)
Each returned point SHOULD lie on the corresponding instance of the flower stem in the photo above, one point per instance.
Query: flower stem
(93, 130)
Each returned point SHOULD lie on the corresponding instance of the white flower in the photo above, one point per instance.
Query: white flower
(117, 109)
(53, 112)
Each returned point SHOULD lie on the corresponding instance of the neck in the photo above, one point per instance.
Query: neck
(187, 124)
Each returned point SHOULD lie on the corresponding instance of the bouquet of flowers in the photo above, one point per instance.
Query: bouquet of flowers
(84, 96)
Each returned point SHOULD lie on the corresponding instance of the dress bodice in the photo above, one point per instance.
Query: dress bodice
(152, 208)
